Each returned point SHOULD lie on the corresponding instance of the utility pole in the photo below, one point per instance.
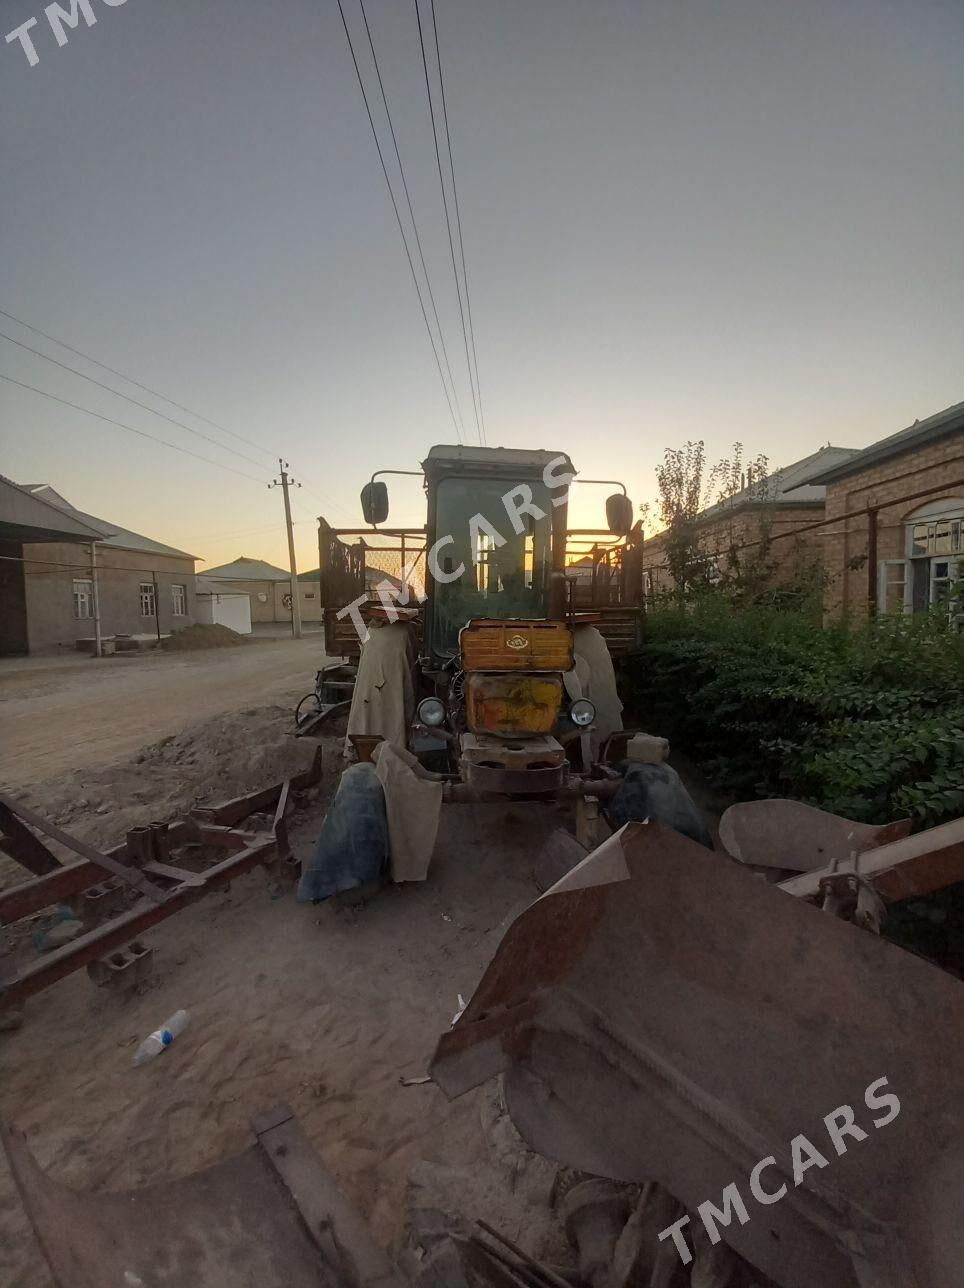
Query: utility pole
(95, 595)
(284, 482)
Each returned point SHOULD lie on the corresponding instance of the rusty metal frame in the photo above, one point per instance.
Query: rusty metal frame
(273, 1215)
(660, 1014)
(145, 851)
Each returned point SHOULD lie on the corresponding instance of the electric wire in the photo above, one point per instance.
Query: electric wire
(131, 381)
(448, 220)
(458, 218)
(127, 398)
(142, 433)
(411, 211)
(398, 218)
(147, 389)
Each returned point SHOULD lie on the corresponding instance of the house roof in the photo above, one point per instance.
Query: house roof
(940, 425)
(245, 569)
(108, 534)
(208, 586)
(25, 516)
(372, 577)
(797, 479)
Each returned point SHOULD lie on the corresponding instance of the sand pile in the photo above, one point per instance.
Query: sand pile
(201, 636)
(207, 762)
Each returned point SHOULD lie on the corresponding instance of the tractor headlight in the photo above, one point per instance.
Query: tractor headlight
(582, 712)
(431, 712)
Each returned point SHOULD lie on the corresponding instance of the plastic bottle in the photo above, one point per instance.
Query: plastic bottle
(161, 1038)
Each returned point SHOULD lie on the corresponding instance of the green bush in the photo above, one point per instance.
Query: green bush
(865, 721)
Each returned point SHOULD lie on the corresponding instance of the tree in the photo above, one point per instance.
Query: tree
(686, 489)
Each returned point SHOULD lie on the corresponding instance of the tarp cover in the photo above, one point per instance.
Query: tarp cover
(593, 677)
(657, 791)
(383, 700)
(413, 798)
(353, 846)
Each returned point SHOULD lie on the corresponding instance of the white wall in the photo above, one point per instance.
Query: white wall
(233, 611)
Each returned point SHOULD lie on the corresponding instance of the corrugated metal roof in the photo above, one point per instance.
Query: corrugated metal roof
(941, 424)
(111, 534)
(796, 478)
(27, 516)
(244, 569)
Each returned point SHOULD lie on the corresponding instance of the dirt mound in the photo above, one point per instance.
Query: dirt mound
(205, 763)
(201, 636)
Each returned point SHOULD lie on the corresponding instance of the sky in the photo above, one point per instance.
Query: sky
(694, 219)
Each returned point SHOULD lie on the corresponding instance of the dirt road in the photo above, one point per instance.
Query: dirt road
(79, 712)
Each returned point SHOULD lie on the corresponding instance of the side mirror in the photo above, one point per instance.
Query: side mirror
(619, 514)
(374, 502)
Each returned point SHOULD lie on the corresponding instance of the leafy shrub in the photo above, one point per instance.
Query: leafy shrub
(866, 721)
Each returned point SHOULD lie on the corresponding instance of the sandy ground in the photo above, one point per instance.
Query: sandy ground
(321, 1007)
(63, 713)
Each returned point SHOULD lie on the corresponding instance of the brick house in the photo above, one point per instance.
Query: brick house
(144, 588)
(778, 505)
(899, 542)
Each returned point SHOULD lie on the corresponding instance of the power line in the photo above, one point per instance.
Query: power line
(398, 217)
(448, 220)
(458, 216)
(142, 433)
(131, 381)
(418, 240)
(147, 389)
(127, 398)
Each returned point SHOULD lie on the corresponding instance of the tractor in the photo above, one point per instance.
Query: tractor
(494, 586)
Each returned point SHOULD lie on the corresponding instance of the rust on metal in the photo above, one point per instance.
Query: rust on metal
(145, 851)
(43, 972)
(790, 836)
(908, 868)
(22, 845)
(662, 1015)
(105, 861)
(270, 1217)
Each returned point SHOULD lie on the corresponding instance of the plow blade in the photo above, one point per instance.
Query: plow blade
(663, 1015)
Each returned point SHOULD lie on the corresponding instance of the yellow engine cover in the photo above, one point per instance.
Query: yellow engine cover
(512, 704)
(493, 644)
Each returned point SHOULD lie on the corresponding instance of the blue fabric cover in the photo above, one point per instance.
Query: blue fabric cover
(353, 845)
(656, 791)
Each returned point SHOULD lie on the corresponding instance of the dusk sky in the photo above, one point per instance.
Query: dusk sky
(682, 220)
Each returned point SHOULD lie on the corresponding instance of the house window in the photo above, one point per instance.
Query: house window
(894, 586)
(935, 557)
(83, 599)
(179, 600)
(945, 574)
(939, 537)
(148, 602)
